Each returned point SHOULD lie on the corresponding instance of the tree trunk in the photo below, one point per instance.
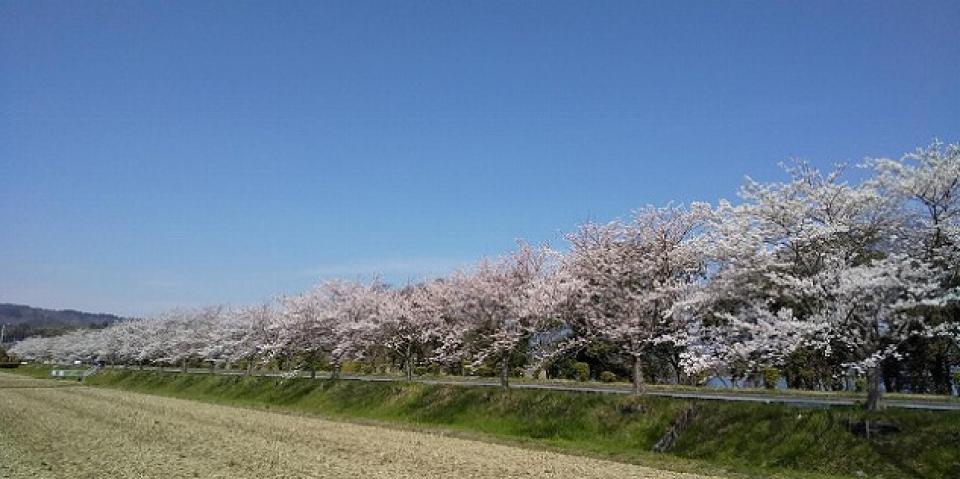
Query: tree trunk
(679, 373)
(183, 366)
(408, 363)
(250, 368)
(408, 369)
(335, 371)
(941, 374)
(505, 371)
(637, 375)
(313, 372)
(874, 399)
(141, 365)
(213, 366)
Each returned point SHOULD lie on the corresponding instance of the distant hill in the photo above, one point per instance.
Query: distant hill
(25, 321)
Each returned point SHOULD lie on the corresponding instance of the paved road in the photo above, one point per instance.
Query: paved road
(800, 401)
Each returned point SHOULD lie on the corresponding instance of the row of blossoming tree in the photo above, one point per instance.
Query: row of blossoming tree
(836, 275)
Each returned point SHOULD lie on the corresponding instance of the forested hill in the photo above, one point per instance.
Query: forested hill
(24, 321)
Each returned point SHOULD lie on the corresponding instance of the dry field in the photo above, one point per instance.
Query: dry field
(50, 430)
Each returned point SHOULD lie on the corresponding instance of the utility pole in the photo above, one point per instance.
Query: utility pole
(3, 329)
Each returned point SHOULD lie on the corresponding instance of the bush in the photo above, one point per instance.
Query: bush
(608, 377)
(860, 384)
(581, 371)
(484, 370)
(350, 367)
(368, 368)
(771, 376)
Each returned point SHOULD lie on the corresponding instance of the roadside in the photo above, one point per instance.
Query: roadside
(791, 397)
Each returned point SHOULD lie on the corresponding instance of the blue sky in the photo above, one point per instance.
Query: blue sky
(155, 154)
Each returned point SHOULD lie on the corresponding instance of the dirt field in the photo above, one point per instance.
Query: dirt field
(54, 429)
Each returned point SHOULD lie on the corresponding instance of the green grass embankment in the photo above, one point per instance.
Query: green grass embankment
(731, 439)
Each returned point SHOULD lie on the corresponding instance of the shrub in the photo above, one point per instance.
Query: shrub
(484, 370)
(608, 377)
(860, 384)
(771, 376)
(423, 370)
(581, 371)
(350, 367)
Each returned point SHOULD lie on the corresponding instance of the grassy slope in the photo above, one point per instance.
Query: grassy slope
(780, 436)
(753, 439)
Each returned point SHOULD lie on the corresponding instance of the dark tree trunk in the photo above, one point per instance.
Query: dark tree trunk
(250, 368)
(183, 366)
(505, 371)
(335, 371)
(313, 372)
(941, 374)
(408, 362)
(637, 375)
(874, 394)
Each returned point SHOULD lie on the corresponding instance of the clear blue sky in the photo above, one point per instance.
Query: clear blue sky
(167, 153)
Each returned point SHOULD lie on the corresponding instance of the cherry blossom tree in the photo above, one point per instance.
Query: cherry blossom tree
(133, 337)
(187, 334)
(630, 276)
(871, 309)
(32, 349)
(493, 307)
(926, 184)
(739, 324)
(245, 334)
(409, 323)
(335, 318)
(808, 262)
